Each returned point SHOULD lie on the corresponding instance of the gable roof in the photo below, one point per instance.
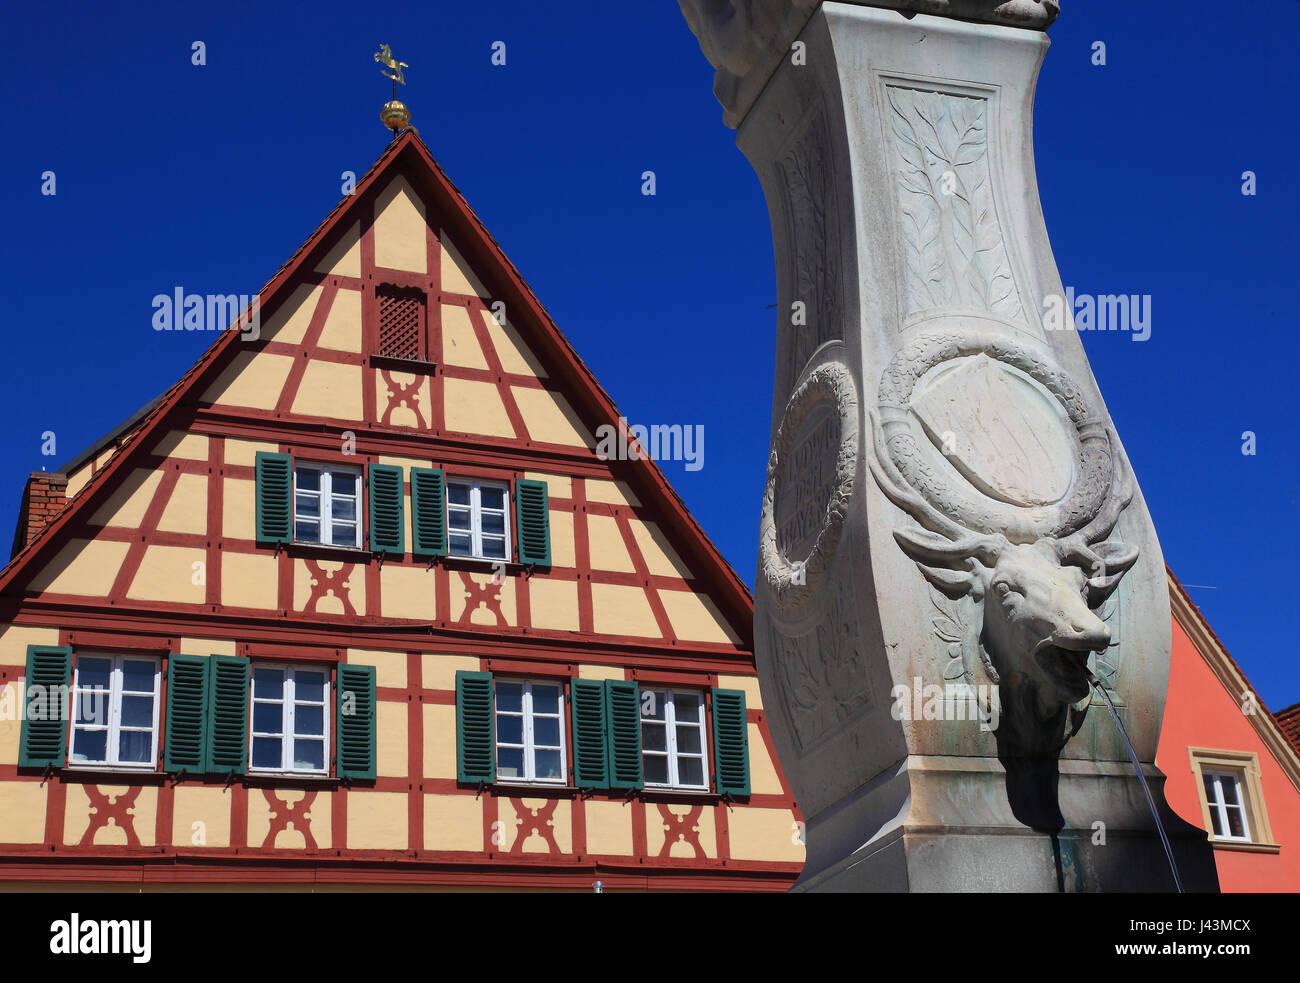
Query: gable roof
(408, 155)
(1216, 656)
(1288, 719)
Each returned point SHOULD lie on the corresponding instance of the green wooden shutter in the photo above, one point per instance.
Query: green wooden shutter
(355, 722)
(428, 512)
(187, 713)
(228, 715)
(623, 728)
(387, 515)
(475, 750)
(274, 498)
(590, 743)
(44, 735)
(731, 741)
(533, 512)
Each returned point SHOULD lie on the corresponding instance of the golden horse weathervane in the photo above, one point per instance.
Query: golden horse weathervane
(385, 56)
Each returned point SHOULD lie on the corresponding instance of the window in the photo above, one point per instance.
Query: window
(1232, 799)
(672, 738)
(402, 322)
(325, 500)
(115, 712)
(290, 725)
(1227, 811)
(530, 731)
(477, 523)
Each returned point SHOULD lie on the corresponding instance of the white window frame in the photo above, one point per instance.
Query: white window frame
(1219, 806)
(326, 494)
(113, 725)
(669, 723)
(288, 702)
(475, 510)
(529, 745)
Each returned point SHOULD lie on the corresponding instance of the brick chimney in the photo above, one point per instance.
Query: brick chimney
(43, 499)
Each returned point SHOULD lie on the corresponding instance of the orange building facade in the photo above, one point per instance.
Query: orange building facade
(357, 602)
(1231, 769)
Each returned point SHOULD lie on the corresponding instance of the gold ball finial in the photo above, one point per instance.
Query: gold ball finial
(395, 115)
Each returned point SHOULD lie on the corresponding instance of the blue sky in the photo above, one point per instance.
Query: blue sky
(210, 177)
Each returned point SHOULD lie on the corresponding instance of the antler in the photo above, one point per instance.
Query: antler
(1107, 562)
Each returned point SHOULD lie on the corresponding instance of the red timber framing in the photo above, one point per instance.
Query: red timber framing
(288, 633)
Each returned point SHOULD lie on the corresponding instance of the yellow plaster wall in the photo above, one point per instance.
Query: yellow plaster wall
(85, 567)
(753, 695)
(319, 820)
(187, 508)
(553, 604)
(288, 324)
(126, 506)
(439, 671)
(77, 480)
(167, 573)
(610, 492)
(342, 329)
(77, 811)
(475, 407)
(516, 357)
(609, 827)
(563, 548)
(660, 557)
(656, 830)
(22, 812)
(601, 672)
(439, 740)
(561, 824)
(390, 667)
(244, 452)
(763, 779)
(557, 485)
(391, 739)
(457, 277)
(453, 822)
(764, 834)
(184, 446)
(407, 592)
(239, 509)
(619, 610)
(208, 646)
(695, 618)
(459, 344)
(400, 239)
(249, 580)
(330, 390)
(344, 258)
(549, 418)
(14, 640)
(606, 546)
(11, 724)
(253, 380)
(206, 805)
(377, 820)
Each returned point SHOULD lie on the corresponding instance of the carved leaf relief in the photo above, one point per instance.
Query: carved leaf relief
(956, 256)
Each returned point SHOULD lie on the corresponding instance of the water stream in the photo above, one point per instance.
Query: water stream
(1160, 826)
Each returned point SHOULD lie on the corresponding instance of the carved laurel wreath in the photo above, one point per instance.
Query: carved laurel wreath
(793, 580)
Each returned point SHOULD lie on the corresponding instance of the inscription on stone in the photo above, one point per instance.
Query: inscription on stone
(808, 480)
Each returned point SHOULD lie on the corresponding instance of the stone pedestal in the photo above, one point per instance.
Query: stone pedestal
(952, 540)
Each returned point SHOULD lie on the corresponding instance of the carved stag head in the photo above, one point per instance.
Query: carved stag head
(1039, 597)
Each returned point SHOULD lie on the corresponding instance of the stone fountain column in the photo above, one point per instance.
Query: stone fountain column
(952, 542)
